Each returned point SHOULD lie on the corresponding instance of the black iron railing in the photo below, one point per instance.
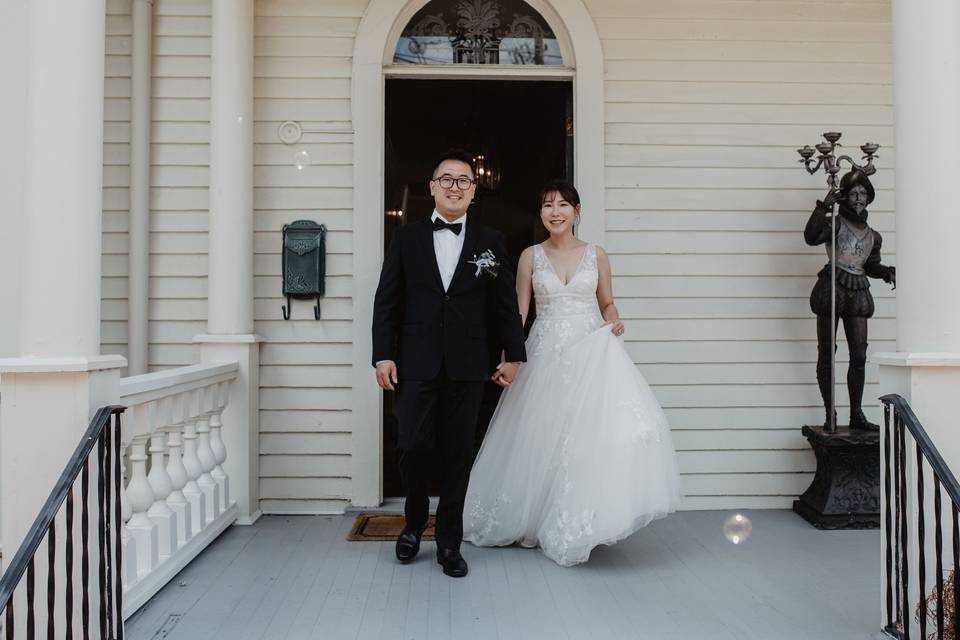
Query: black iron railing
(942, 605)
(106, 591)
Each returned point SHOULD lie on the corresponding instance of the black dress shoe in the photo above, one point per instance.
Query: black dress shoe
(408, 544)
(452, 562)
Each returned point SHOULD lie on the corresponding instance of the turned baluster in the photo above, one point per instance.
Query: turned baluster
(128, 542)
(160, 511)
(216, 444)
(173, 419)
(140, 495)
(205, 453)
(192, 491)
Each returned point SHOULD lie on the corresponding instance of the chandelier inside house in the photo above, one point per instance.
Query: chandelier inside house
(487, 171)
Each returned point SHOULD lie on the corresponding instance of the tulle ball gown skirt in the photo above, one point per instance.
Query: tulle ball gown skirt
(578, 453)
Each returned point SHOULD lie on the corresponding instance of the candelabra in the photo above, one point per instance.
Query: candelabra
(831, 166)
(831, 163)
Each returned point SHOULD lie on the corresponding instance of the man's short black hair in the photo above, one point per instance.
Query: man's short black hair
(455, 154)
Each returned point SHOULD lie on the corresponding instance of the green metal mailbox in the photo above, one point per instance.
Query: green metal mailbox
(304, 263)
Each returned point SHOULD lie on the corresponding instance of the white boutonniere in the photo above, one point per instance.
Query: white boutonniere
(486, 263)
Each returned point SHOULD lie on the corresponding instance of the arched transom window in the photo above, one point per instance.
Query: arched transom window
(478, 32)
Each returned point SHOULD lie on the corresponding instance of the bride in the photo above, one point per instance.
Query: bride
(578, 452)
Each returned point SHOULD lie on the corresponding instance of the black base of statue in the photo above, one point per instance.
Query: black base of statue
(845, 492)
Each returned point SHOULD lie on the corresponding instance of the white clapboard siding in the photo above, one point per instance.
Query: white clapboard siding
(302, 66)
(180, 155)
(116, 178)
(706, 101)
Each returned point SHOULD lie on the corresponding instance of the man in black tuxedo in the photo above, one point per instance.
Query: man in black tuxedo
(445, 290)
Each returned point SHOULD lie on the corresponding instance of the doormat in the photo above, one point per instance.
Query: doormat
(378, 526)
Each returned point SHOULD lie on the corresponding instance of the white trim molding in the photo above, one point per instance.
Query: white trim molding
(903, 359)
(377, 35)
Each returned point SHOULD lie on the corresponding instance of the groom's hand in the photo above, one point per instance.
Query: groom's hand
(387, 374)
(505, 373)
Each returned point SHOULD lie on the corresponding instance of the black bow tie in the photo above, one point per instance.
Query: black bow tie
(440, 225)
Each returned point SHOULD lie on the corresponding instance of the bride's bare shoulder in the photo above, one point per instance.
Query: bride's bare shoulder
(526, 257)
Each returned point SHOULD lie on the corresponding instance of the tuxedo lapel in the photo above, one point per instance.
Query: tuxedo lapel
(469, 244)
(429, 251)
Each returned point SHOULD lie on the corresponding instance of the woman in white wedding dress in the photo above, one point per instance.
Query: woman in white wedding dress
(578, 452)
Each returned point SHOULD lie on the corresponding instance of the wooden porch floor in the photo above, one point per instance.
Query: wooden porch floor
(296, 577)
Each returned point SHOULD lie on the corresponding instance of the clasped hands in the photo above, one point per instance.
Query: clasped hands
(387, 374)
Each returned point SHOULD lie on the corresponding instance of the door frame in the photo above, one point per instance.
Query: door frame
(377, 35)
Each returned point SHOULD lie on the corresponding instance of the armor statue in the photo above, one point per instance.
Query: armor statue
(857, 260)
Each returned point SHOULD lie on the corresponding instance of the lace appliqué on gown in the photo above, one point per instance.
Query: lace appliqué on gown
(486, 517)
(646, 430)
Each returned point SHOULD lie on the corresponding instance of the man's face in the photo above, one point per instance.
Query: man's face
(857, 199)
(447, 188)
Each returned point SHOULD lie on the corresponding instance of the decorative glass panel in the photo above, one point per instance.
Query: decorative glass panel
(477, 32)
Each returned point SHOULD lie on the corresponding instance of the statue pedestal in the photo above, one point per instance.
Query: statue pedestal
(845, 492)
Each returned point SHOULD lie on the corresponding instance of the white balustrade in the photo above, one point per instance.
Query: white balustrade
(176, 499)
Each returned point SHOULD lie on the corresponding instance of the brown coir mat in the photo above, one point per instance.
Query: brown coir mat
(371, 526)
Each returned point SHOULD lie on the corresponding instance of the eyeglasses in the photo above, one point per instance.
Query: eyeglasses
(447, 182)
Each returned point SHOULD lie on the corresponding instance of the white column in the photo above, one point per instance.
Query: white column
(231, 168)
(60, 310)
(926, 50)
(13, 113)
(230, 334)
(139, 231)
(59, 380)
(925, 369)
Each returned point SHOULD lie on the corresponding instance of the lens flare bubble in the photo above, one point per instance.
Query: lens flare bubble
(737, 528)
(301, 160)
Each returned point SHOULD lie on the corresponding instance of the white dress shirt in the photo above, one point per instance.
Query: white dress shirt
(448, 246)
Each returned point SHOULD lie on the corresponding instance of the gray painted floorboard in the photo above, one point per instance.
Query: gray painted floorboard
(296, 577)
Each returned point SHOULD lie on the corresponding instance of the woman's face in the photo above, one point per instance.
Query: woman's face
(558, 215)
(857, 199)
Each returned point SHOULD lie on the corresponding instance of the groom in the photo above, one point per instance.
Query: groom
(445, 288)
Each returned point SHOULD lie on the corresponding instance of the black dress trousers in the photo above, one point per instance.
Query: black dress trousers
(439, 414)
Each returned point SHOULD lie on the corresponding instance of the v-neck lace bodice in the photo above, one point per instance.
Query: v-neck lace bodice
(565, 312)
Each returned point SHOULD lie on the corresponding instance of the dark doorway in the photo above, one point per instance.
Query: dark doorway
(522, 130)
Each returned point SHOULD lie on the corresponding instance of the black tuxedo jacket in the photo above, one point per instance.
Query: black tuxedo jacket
(422, 327)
